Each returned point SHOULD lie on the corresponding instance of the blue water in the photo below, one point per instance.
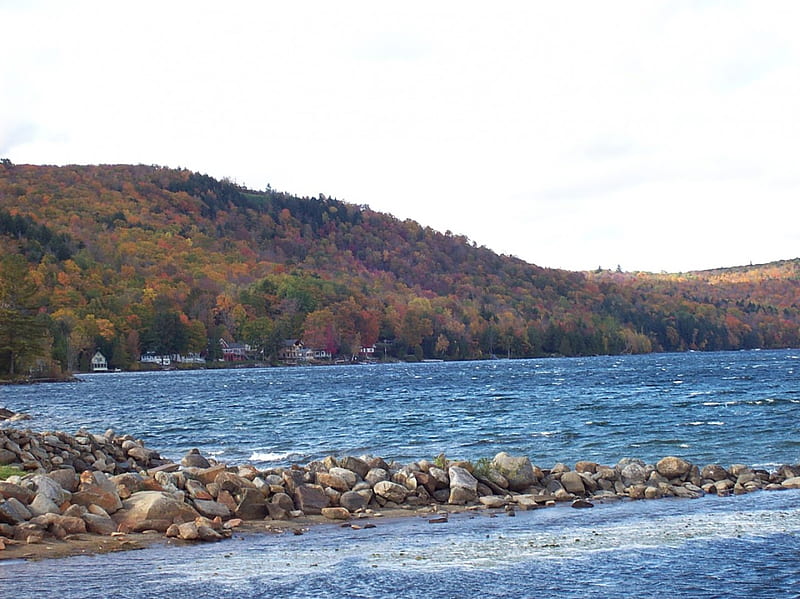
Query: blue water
(739, 407)
(736, 407)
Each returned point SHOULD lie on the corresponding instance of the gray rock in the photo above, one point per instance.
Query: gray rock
(44, 485)
(310, 499)
(7, 457)
(573, 483)
(349, 476)
(251, 505)
(517, 470)
(212, 509)
(493, 501)
(633, 473)
(327, 479)
(713, 472)
(354, 500)
(194, 459)
(461, 477)
(442, 480)
(391, 491)
(99, 525)
(357, 465)
(376, 475)
(12, 511)
(42, 504)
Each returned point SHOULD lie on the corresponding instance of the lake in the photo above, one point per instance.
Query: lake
(737, 407)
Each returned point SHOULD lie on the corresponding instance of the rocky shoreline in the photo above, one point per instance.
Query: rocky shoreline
(92, 493)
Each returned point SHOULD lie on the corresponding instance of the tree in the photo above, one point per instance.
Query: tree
(21, 332)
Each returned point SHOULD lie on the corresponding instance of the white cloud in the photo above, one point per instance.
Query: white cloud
(650, 135)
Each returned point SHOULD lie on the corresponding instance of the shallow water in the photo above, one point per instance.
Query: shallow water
(710, 547)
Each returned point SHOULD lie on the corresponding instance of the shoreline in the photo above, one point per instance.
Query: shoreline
(93, 494)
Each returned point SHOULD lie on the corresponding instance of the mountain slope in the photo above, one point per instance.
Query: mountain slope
(131, 259)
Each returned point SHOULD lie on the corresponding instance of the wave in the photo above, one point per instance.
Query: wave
(273, 456)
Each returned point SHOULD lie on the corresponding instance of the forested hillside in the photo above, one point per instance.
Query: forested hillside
(137, 259)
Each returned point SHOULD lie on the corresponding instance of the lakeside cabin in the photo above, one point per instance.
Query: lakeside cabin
(99, 362)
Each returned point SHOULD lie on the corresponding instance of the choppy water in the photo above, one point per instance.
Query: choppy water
(723, 407)
(729, 407)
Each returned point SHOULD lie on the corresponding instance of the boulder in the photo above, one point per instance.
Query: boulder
(349, 476)
(463, 486)
(713, 472)
(7, 456)
(633, 473)
(89, 494)
(440, 476)
(310, 499)
(517, 470)
(42, 504)
(205, 475)
(44, 485)
(327, 479)
(12, 511)
(357, 465)
(153, 505)
(233, 483)
(391, 491)
(586, 467)
(573, 483)
(355, 500)
(212, 509)
(194, 459)
(99, 525)
(251, 505)
(336, 513)
(493, 501)
(791, 483)
(18, 492)
(376, 475)
(672, 467)
(66, 478)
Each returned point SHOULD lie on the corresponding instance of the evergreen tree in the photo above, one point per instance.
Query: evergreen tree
(21, 332)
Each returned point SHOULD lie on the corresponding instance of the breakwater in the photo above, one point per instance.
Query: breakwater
(73, 486)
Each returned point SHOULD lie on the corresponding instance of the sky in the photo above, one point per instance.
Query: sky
(654, 136)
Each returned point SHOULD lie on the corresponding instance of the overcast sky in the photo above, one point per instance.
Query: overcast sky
(650, 135)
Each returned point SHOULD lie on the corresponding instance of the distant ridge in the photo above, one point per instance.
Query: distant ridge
(129, 259)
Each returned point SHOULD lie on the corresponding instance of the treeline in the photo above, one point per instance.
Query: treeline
(136, 259)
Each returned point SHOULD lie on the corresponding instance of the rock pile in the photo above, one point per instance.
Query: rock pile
(113, 485)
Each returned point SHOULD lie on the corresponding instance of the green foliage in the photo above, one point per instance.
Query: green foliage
(440, 461)
(482, 466)
(21, 331)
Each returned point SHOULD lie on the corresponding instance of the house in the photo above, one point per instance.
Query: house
(234, 352)
(293, 350)
(99, 362)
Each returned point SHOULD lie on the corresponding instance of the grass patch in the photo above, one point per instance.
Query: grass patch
(6, 471)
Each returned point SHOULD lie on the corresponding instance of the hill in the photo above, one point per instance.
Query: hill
(135, 259)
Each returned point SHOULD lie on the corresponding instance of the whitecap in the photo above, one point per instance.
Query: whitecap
(272, 456)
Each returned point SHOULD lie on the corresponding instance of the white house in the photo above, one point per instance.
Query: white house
(99, 362)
